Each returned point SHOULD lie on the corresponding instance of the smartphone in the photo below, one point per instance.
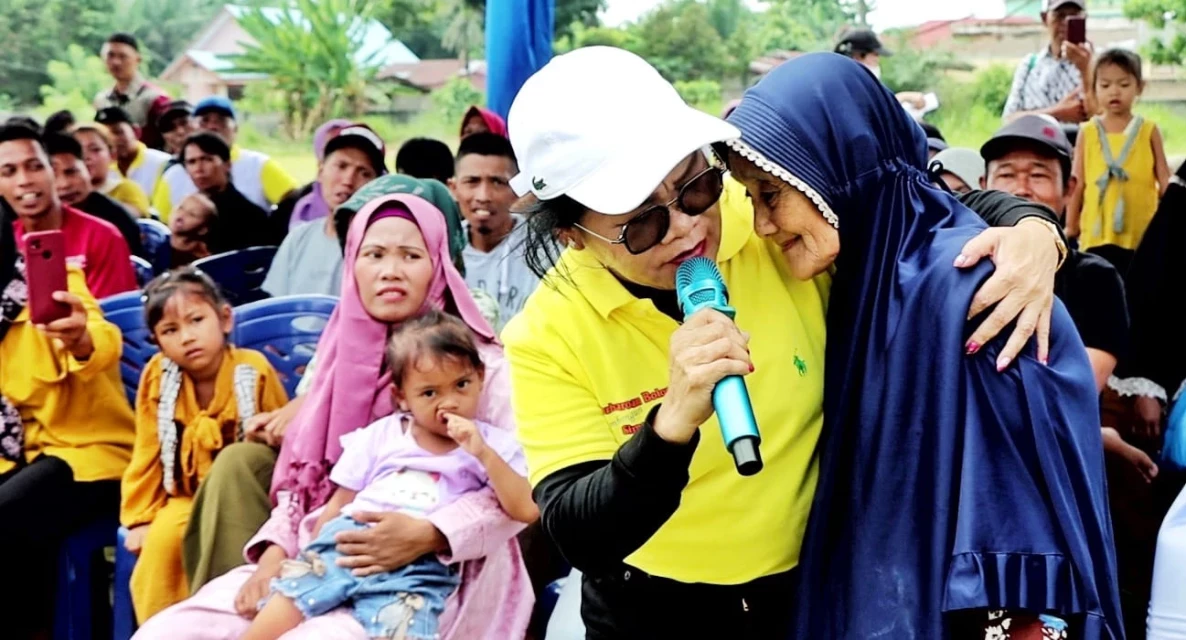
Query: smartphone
(1077, 30)
(45, 259)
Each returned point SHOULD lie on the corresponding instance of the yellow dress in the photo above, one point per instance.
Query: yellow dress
(163, 499)
(1097, 224)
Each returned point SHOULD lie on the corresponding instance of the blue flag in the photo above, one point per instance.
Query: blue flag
(518, 43)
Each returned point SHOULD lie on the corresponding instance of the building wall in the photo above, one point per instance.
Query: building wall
(197, 82)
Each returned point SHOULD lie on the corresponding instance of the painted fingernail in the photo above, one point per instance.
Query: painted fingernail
(751, 368)
(960, 260)
(971, 348)
(1002, 363)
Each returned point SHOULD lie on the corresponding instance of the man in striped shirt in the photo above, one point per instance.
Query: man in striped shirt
(1051, 81)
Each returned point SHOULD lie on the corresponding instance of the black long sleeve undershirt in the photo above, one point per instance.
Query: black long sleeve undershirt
(598, 513)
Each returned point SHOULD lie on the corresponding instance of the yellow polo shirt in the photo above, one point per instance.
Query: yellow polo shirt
(76, 411)
(589, 361)
(129, 193)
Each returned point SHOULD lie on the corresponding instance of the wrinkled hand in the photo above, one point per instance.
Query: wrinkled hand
(1022, 287)
(134, 541)
(705, 349)
(71, 331)
(465, 433)
(1150, 414)
(395, 540)
(259, 584)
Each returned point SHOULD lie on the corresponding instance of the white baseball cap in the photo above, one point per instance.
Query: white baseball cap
(601, 126)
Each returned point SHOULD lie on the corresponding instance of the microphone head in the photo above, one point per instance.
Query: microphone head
(698, 284)
(695, 270)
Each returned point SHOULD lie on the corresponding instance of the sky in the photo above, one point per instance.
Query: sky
(888, 14)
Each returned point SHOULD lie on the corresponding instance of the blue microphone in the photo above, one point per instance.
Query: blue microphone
(699, 285)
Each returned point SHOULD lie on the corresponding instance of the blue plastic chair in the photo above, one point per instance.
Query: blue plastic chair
(143, 271)
(286, 330)
(123, 615)
(73, 617)
(154, 236)
(126, 311)
(240, 274)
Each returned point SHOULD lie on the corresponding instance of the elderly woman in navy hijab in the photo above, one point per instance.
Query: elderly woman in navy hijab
(954, 500)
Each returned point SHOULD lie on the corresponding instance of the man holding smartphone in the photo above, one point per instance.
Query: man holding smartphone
(1051, 81)
(27, 184)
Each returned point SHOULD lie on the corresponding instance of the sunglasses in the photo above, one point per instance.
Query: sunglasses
(648, 228)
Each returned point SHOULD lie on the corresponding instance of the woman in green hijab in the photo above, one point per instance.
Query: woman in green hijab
(232, 502)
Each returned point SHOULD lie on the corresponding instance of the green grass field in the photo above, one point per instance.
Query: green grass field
(297, 156)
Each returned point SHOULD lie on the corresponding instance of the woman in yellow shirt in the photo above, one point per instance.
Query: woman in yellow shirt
(65, 432)
(194, 398)
(97, 150)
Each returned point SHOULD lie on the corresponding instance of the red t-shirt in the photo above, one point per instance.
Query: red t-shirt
(96, 247)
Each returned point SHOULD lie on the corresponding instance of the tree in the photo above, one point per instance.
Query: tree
(680, 41)
(33, 33)
(163, 27)
(74, 81)
(1159, 13)
(465, 33)
(310, 54)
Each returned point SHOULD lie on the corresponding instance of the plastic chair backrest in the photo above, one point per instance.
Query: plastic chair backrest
(126, 311)
(286, 330)
(143, 270)
(240, 274)
(155, 237)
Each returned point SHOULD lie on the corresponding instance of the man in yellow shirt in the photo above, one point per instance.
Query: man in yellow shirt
(134, 160)
(66, 432)
(260, 178)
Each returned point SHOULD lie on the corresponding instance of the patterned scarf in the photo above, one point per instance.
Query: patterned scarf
(246, 384)
(12, 302)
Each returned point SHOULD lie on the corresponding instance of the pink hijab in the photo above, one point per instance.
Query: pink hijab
(351, 389)
(494, 122)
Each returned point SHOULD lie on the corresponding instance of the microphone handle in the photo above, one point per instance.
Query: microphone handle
(739, 427)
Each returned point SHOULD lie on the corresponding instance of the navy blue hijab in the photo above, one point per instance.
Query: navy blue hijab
(944, 485)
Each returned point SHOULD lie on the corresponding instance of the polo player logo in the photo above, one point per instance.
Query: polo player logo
(539, 184)
(801, 365)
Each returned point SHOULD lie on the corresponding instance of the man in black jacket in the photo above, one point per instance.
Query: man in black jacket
(74, 188)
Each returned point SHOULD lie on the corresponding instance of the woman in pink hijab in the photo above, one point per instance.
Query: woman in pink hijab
(482, 120)
(351, 390)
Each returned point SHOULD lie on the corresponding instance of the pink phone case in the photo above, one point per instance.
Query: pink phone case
(45, 258)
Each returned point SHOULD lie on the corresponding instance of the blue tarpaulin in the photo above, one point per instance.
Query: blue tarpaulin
(518, 43)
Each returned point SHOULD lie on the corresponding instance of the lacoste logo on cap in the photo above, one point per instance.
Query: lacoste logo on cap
(1048, 132)
(539, 184)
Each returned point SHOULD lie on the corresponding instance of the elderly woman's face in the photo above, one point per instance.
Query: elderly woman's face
(393, 270)
(783, 214)
(687, 235)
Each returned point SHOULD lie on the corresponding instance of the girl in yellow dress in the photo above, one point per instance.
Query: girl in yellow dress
(194, 398)
(1120, 164)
